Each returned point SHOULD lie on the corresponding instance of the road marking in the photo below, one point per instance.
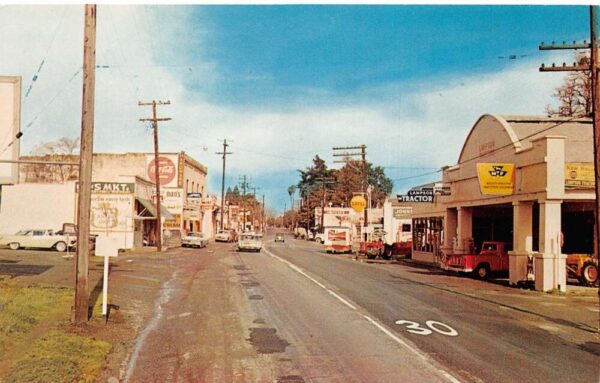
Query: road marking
(387, 332)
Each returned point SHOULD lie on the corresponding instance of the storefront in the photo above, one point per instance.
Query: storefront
(524, 180)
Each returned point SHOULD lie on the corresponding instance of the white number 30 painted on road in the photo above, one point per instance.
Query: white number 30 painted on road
(439, 327)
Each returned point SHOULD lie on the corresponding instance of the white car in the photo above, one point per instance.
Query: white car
(249, 242)
(38, 238)
(193, 239)
(223, 236)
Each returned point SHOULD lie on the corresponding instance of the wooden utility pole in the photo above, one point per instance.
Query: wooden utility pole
(348, 157)
(244, 185)
(80, 310)
(262, 220)
(593, 69)
(224, 153)
(155, 121)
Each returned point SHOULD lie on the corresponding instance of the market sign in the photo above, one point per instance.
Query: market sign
(496, 179)
(358, 203)
(579, 175)
(418, 196)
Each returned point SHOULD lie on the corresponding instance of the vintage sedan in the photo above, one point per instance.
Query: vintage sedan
(224, 236)
(249, 242)
(193, 239)
(38, 238)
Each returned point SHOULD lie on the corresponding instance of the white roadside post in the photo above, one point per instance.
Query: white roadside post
(106, 247)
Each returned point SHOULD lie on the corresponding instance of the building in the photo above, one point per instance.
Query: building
(123, 195)
(525, 180)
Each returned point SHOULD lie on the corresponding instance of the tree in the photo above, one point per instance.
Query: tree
(575, 94)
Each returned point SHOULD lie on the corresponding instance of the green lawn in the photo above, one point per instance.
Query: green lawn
(37, 350)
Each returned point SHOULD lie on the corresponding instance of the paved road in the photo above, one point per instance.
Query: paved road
(488, 340)
(295, 314)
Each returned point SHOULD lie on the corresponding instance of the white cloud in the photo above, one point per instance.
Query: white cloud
(146, 50)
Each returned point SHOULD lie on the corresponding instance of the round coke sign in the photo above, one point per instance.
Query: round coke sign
(358, 203)
(166, 170)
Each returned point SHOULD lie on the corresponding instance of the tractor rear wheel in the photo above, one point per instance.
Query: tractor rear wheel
(589, 274)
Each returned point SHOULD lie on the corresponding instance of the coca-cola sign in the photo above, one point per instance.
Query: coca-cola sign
(167, 170)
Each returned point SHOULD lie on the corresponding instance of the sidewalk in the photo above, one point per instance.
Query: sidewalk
(578, 308)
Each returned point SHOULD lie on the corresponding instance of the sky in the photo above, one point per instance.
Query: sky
(285, 83)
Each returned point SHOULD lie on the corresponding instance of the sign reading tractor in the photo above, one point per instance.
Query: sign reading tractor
(167, 171)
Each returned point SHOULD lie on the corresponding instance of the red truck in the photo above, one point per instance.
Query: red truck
(493, 258)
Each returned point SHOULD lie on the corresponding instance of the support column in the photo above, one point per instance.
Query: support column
(464, 230)
(522, 241)
(550, 265)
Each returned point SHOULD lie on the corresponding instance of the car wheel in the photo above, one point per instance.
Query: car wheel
(482, 272)
(589, 274)
(14, 245)
(61, 247)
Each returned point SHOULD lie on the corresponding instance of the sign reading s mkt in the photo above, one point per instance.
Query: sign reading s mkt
(167, 170)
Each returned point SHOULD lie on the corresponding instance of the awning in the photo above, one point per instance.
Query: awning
(150, 210)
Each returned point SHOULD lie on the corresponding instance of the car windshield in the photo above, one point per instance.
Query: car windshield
(23, 232)
(195, 235)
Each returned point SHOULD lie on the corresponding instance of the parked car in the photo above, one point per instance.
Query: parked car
(193, 239)
(38, 238)
(249, 242)
(224, 236)
(279, 237)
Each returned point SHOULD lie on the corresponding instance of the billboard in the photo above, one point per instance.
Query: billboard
(10, 125)
(168, 169)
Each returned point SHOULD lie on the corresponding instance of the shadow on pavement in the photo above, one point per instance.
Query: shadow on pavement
(15, 270)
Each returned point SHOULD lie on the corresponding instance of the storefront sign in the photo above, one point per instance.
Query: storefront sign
(171, 199)
(110, 187)
(174, 224)
(358, 203)
(190, 214)
(579, 175)
(111, 212)
(496, 179)
(402, 212)
(167, 169)
(418, 196)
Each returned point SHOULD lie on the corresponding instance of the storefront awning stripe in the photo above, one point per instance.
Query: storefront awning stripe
(150, 207)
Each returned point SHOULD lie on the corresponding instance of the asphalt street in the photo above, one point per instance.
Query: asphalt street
(293, 313)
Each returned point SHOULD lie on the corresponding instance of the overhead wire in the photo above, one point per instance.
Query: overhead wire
(494, 150)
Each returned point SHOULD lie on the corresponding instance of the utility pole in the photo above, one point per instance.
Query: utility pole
(347, 160)
(224, 153)
(155, 121)
(593, 68)
(324, 181)
(80, 309)
(244, 185)
(263, 213)
(254, 203)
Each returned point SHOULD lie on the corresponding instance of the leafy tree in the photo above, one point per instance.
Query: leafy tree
(575, 94)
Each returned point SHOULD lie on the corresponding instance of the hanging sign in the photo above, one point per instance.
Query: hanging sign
(496, 179)
(358, 203)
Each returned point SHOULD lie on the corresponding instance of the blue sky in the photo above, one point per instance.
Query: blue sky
(287, 82)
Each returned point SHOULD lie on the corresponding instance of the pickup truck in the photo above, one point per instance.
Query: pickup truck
(493, 258)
